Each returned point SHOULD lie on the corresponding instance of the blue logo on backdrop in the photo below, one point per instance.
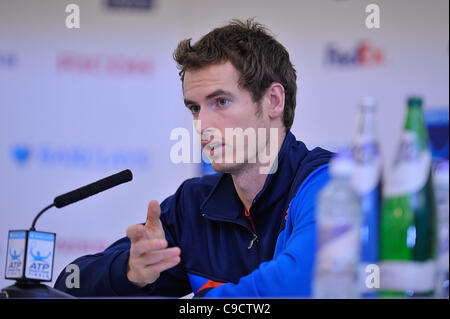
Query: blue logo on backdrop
(84, 157)
(20, 153)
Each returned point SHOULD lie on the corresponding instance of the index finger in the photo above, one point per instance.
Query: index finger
(135, 232)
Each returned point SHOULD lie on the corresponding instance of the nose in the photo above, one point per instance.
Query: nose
(204, 121)
(206, 125)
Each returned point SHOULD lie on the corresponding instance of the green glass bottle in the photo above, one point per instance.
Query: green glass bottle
(408, 234)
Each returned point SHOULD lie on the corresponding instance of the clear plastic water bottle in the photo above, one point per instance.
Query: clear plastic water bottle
(441, 183)
(339, 218)
(367, 183)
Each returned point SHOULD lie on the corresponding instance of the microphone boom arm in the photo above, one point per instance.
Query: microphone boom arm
(38, 215)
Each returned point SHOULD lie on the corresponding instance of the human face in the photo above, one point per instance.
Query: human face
(219, 105)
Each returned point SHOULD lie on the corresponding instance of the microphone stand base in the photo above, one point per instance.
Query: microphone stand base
(32, 289)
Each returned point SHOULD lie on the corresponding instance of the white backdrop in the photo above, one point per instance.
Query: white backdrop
(79, 104)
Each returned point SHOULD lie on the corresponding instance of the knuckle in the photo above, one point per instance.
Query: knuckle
(142, 246)
(152, 244)
(139, 270)
(134, 263)
(136, 247)
(151, 271)
(160, 243)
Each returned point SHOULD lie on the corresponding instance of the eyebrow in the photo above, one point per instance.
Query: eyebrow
(210, 96)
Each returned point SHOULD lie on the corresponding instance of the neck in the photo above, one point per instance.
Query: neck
(248, 184)
(249, 181)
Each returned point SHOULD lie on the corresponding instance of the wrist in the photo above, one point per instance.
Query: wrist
(132, 278)
(119, 281)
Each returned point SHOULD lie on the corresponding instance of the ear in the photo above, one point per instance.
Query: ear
(274, 100)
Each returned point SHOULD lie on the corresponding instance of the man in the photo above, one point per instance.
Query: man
(211, 236)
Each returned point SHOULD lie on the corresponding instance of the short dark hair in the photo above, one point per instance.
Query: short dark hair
(260, 59)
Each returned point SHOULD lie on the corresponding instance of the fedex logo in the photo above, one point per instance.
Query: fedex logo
(364, 54)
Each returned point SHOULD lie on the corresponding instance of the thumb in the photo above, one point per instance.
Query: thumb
(153, 223)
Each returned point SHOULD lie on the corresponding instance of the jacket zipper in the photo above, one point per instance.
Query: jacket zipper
(255, 238)
(253, 232)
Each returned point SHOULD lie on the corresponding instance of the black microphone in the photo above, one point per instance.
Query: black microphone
(93, 188)
(88, 190)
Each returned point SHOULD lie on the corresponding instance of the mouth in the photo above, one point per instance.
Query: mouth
(211, 147)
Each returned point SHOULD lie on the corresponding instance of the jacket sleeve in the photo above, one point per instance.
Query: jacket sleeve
(289, 273)
(104, 274)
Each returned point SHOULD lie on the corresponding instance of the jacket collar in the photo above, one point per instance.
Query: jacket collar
(223, 202)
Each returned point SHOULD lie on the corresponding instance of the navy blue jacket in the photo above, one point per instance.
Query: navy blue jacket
(206, 219)
(290, 273)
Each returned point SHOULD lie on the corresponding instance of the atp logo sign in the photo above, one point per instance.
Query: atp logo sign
(39, 267)
(15, 258)
(39, 261)
(15, 263)
(30, 255)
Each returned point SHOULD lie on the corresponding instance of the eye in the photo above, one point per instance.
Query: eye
(222, 101)
(195, 109)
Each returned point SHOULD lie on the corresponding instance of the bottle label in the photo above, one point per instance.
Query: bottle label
(411, 168)
(338, 247)
(367, 170)
(407, 275)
